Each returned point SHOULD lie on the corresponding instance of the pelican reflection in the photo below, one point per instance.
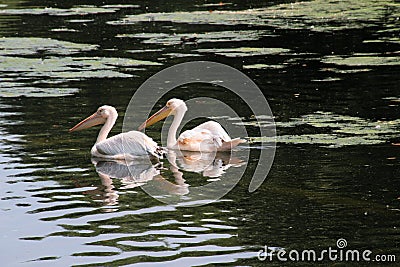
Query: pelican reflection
(156, 178)
(211, 165)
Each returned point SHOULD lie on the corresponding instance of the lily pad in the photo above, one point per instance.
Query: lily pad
(180, 55)
(346, 71)
(175, 39)
(317, 15)
(195, 17)
(36, 92)
(325, 140)
(77, 10)
(18, 72)
(362, 60)
(31, 46)
(263, 66)
(328, 15)
(244, 51)
(144, 51)
(73, 67)
(342, 130)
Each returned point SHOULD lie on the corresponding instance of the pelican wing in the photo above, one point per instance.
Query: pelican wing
(198, 140)
(132, 143)
(208, 136)
(215, 130)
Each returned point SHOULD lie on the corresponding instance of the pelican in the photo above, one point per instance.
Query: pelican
(121, 146)
(207, 137)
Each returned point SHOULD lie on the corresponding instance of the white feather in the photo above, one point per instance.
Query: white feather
(130, 143)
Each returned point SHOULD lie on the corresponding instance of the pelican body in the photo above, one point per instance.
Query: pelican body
(121, 146)
(207, 137)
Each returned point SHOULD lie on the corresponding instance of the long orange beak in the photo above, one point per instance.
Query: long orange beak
(90, 121)
(159, 115)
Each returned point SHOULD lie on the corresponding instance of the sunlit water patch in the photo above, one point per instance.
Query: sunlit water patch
(215, 4)
(393, 99)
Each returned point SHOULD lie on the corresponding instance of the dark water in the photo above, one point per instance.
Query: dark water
(329, 70)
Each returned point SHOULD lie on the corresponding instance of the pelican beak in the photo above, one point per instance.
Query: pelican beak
(159, 115)
(90, 121)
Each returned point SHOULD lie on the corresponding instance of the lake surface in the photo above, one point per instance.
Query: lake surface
(330, 73)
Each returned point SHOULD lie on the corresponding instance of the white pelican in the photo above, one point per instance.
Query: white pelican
(207, 137)
(121, 146)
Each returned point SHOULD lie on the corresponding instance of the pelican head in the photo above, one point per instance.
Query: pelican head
(99, 117)
(172, 107)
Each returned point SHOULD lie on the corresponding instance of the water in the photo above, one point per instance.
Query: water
(329, 72)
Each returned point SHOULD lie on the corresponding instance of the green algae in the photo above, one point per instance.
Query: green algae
(14, 91)
(77, 10)
(332, 130)
(69, 67)
(245, 51)
(317, 15)
(217, 36)
(263, 66)
(33, 45)
(362, 60)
